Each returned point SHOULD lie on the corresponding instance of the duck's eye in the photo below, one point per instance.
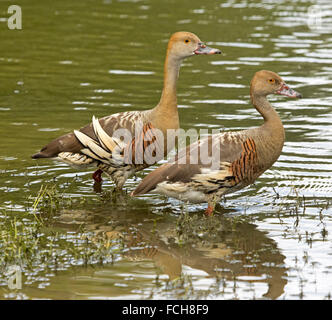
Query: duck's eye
(187, 41)
(271, 80)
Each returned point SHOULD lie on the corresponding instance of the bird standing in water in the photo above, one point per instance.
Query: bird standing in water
(94, 144)
(242, 156)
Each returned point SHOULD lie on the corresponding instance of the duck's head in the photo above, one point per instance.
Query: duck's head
(185, 44)
(267, 82)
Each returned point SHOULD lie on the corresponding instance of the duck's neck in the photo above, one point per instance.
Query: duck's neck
(264, 107)
(168, 101)
(271, 134)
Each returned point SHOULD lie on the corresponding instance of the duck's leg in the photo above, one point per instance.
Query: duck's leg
(119, 178)
(209, 210)
(97, 187)
(119, 183)
(212, 201)
(97, 176)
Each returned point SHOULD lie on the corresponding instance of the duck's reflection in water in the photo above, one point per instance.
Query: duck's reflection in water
(225, 247)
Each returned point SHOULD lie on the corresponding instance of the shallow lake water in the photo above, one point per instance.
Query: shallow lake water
(75, 59)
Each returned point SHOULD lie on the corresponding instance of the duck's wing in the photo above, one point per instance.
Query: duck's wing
(224, 160)
(117, 140)
(125, 147)
(70, 143)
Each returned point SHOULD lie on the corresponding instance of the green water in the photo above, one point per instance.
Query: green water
(75, 59)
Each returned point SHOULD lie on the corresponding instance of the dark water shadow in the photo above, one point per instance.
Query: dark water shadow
(226, 247)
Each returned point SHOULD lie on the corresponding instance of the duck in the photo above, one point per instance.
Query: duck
(109, 143)
(237, 158)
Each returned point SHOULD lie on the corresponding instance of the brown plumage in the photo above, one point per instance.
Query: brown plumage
(95, 144)
(244, 167)
(237, 158)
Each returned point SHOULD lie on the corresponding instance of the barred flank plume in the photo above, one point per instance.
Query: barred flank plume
(75, 159)
(117, 153)
(105, 149)
(187, 181)
(244, 167)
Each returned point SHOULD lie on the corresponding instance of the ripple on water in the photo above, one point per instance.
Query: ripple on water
(130, 72)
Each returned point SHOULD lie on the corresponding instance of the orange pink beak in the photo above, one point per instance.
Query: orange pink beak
(204, 49)
(285, 90)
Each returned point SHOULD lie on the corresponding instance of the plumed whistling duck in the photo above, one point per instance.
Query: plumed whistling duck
(241, 156)
(93, 145)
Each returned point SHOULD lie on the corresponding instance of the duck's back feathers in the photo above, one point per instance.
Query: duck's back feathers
(231, 161)
(70, 143)
(65, 143)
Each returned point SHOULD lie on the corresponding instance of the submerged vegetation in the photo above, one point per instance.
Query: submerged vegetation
(37, 249)
(30, 240)
(57, 233)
